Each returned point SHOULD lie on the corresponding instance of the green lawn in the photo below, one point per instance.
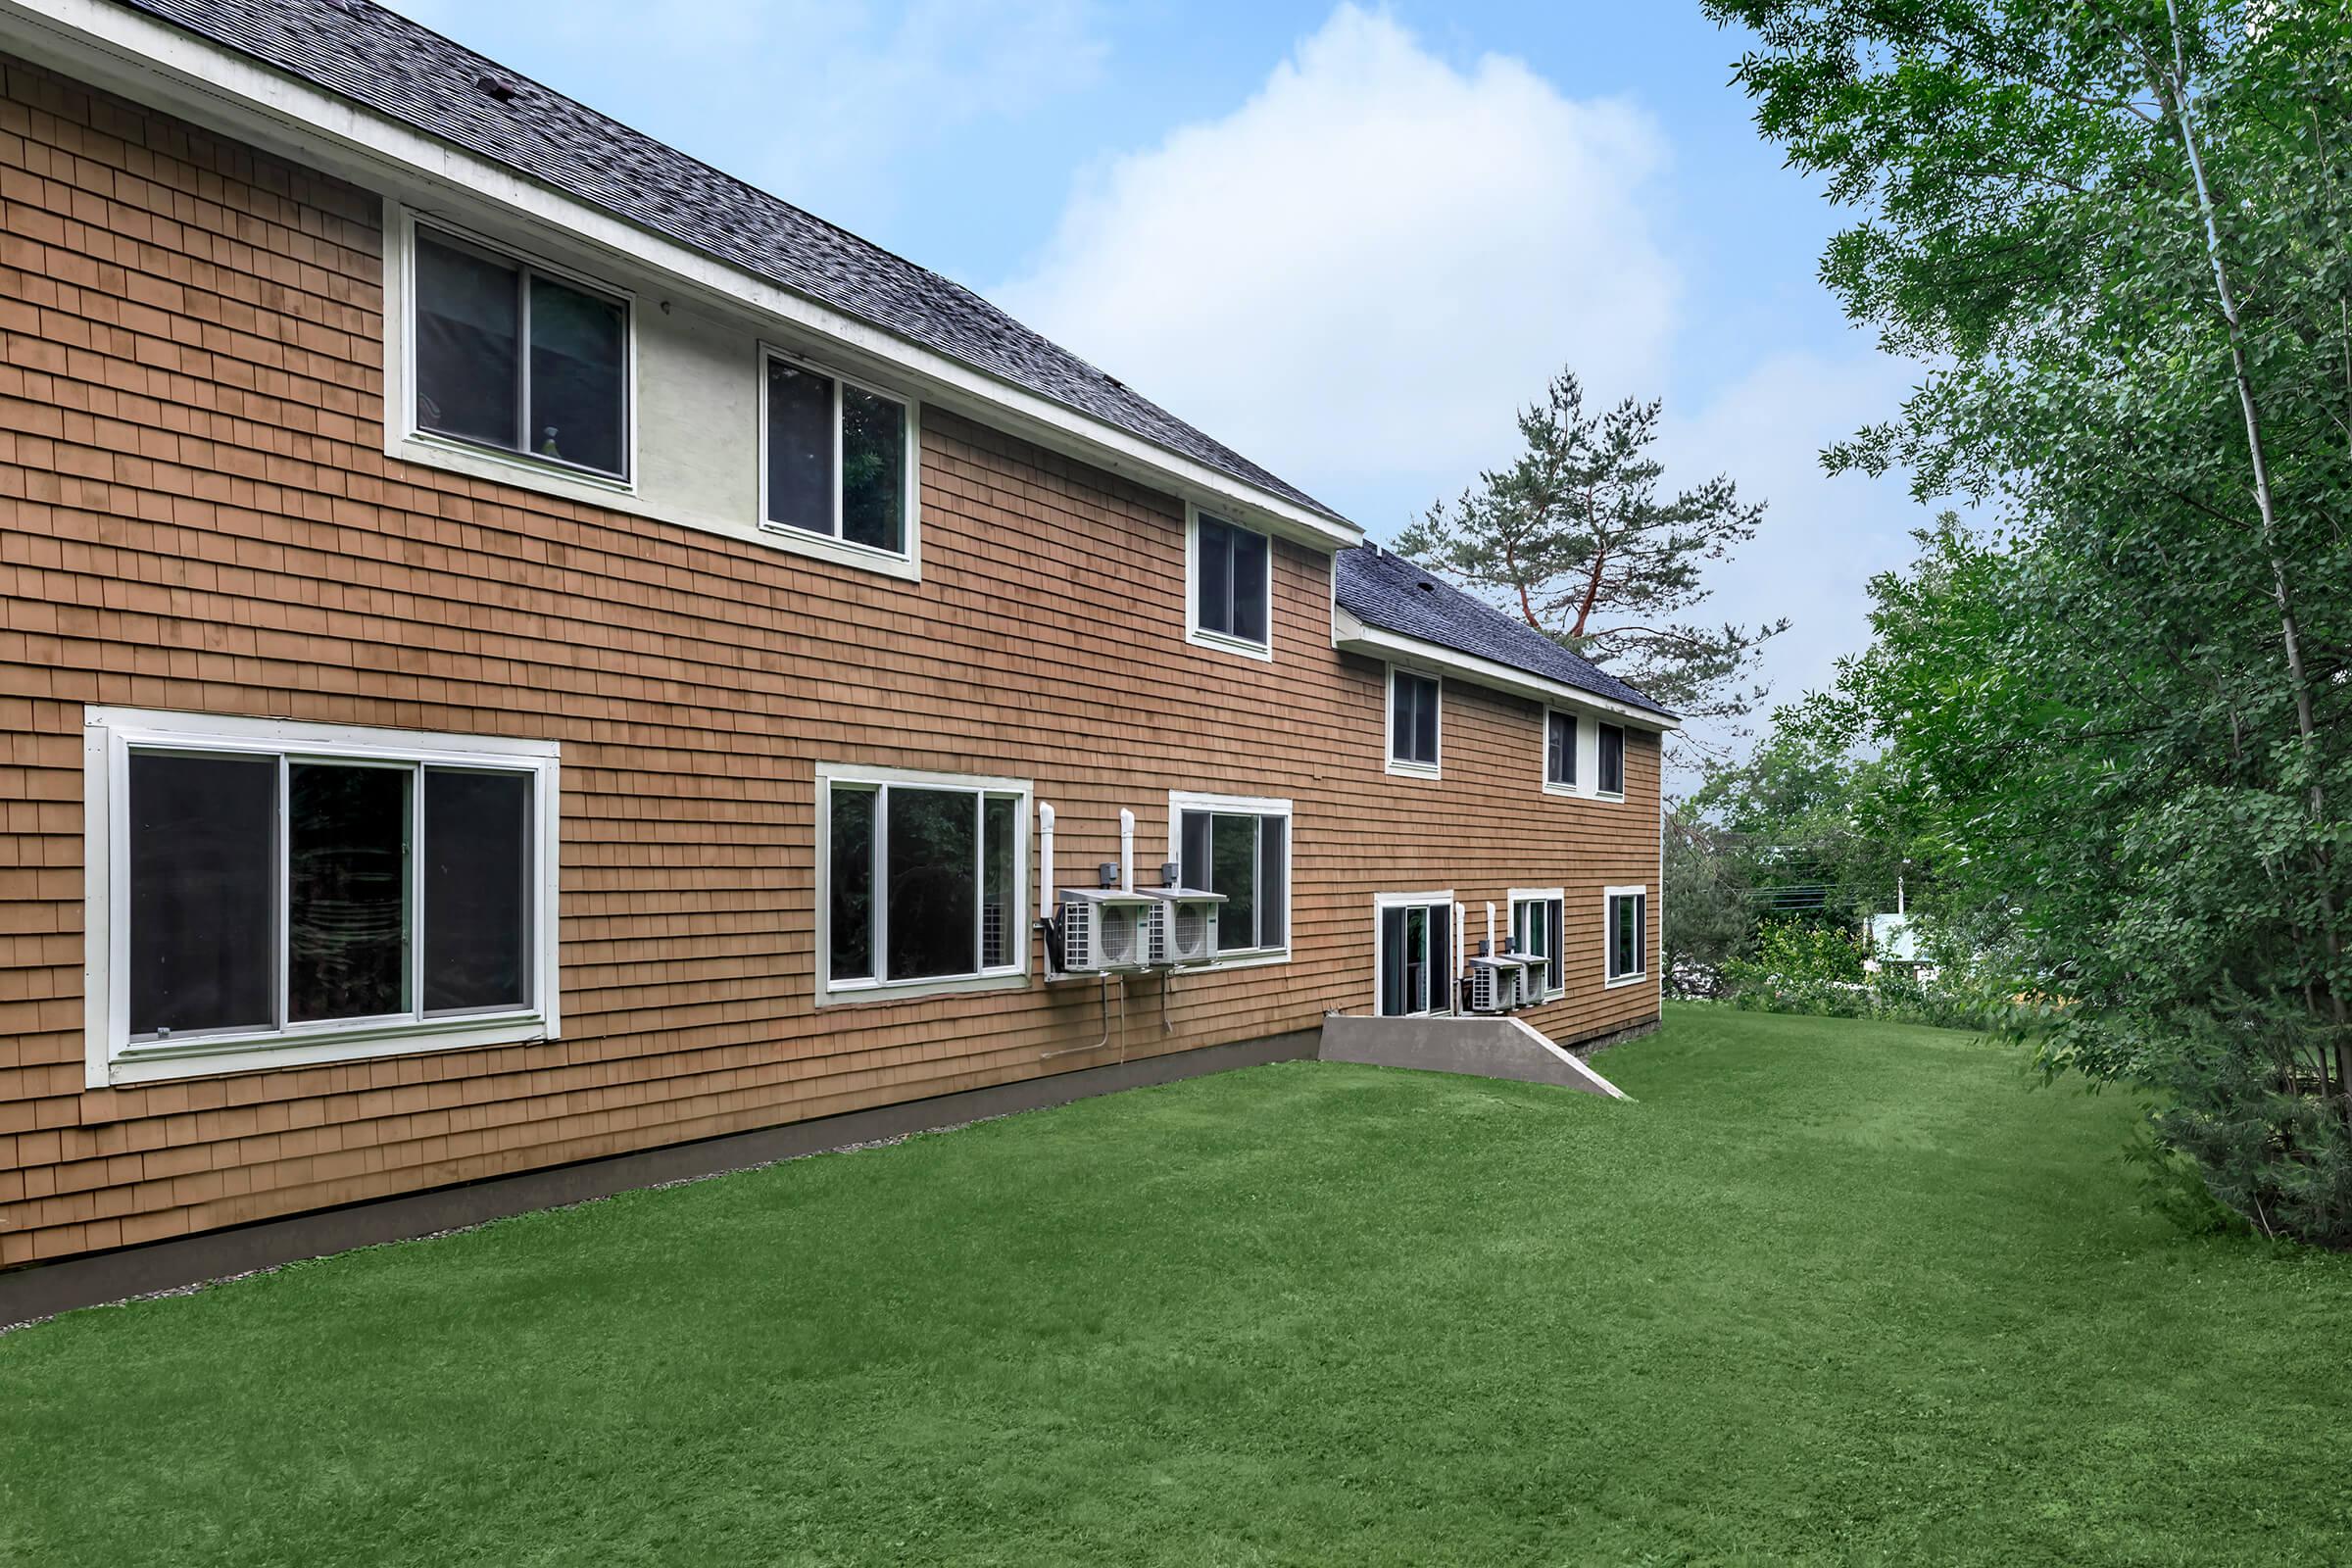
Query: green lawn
(1827, 1291)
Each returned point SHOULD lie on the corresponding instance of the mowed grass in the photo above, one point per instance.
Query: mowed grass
(1828, 1291)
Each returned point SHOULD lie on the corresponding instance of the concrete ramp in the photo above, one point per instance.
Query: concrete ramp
(1484, 1047)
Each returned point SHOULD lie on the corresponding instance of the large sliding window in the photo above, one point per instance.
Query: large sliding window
(1537, 915)
(265, 891)
(1626, 924)
(924, 881)
(513, 357)
(837, 458)
(1232, 588)
(1240, 847)
(1414, 960)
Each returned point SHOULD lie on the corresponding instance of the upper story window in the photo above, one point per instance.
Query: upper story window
(1626, 924)
(1232, 589)
(511, 357)
(837, 458)
(266, 892)
(1559, 750)
(1240, 847)
(1613, 759)
(923, 878)
(1412, 723)
(1537, 916)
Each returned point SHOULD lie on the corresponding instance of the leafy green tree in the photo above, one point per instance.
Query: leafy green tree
(1577, 538)
(1708, 919)
(2121, 231)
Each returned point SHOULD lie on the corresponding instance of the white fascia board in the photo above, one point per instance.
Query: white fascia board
(1350, 635)
(155, 62)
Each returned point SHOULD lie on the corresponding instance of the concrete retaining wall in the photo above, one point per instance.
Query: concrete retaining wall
(1484, 1047)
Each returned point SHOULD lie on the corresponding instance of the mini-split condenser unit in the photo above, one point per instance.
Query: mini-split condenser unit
(1186, 932)
(1109, 930)
(1497, 985)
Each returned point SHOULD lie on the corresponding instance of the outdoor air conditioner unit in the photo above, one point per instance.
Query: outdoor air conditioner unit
(1187, 931)
(1108, 930)
(1499, 984)
(1533, 975)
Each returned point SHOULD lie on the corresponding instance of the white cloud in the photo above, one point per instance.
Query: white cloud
(1822, 538)
(1357, 274)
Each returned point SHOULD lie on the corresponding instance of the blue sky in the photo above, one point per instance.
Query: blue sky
(1347, 240)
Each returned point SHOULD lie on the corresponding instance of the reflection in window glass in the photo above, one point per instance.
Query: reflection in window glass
(469, 320)
(579, 351)
(999, 887)
(873, 470)
(477, 892)
(1229, 580)
(1233, 851)
(203, 893)
(931, 903)
(347, 903)
(800, 447)
(852, 853)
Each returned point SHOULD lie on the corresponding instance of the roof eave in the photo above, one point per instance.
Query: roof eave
(1351, 634)
(151, 61)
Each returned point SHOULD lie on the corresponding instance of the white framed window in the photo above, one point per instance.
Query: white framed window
(1625, 927)
(922, 880)
(1413, 962)
(838, 459)
(1536, 916)
(1229, 586)
(1562, 733)
(1414, 722)
(1239, 846)
(520, 358)
(264, 893)
(1610, 770)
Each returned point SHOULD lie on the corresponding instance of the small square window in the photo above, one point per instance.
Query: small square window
(1628, 933)
(836, 461)
(1559, 750)
(1243, 854)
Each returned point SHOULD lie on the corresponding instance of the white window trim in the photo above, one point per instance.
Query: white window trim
(404, 440)
(1574, 789)
(1599, 793)
(1183, 800)
(408, 439)
(109, 735)
(1382, 903)
(1607, 897)
(834, 547)
(831, 992)
(1555, 982)
(1193, 633)
(1387, 736)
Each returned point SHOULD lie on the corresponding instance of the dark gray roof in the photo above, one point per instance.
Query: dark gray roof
(381, 60)
(1385, 590)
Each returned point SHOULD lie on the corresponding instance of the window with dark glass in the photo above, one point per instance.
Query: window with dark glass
(1628, 935)
(1412, 719)
(1230, 581)
(1536, 931)
(924, 882)
(397, 892)
(511, 357)
(1559, 751)
(1613, 759)
(1244, 856)
(1416, 959)
(836, 458)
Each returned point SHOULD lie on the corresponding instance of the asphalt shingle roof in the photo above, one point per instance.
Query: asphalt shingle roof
(380, 60)
(1385, 590)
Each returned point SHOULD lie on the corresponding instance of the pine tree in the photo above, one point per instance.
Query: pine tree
(1576, 538)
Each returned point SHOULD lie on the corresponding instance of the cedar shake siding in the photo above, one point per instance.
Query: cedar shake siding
(200, 517)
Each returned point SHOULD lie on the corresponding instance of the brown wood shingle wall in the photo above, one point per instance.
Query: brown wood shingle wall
(196, 514)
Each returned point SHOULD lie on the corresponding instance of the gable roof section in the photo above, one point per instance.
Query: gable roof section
(1384, 590)
(383, 62)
